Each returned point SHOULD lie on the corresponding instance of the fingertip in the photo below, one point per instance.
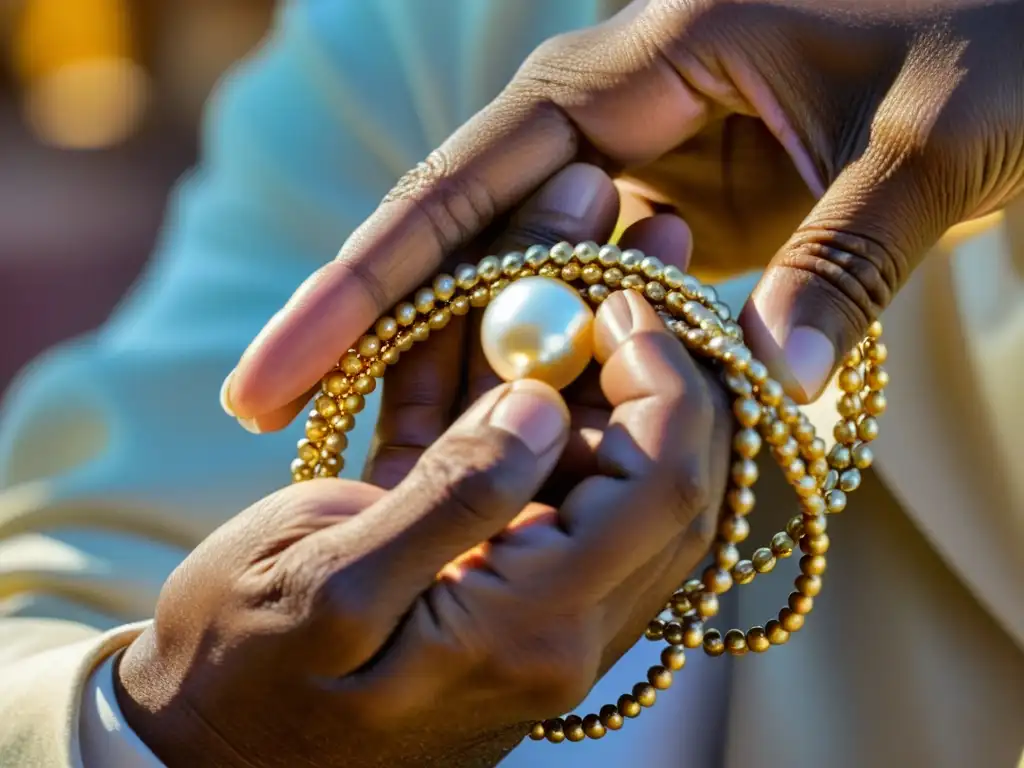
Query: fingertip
(664, 236)
(621, 315)
(535, 413)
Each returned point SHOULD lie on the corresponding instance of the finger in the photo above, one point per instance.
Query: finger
(418, 404)
(664, 236)
(661, 456)
(847, 261)
(535, 127)
(465, 489)
(579, 203)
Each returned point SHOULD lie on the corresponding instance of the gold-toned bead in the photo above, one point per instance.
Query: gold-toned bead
(673, 276)
(354, 403)
(680, 603)
(775, 633)
(850, 380)
(813, 506)
(377, 368)
(813, 565)
(512, 264)
(335, 384)
(308, 453)
(673, 634)
(459, 306)
(849, 480)
(763, 559)
(537, 731)
(815, 525)
(645, 694)
(814, 545)
(562, 253)
(693, 632)
(586, 252)
(747, 443)
(386, 328)
(717, 580)
(390, 356)
(776, 433)
(424, 300)
(814, 449)
(736, 642)
(659, 677)
(789, 412)
(652, 267)
(405, 314)
(609, 255)
(727, 555)
(875, 351)
(862, 456)
(707, 605)
(790, 620)
(806, 486)
(316, 429)
(770, 392)
(655, 629)
(439, 318)
(714, 645)
(803, 432)
(673, 658)
(675, 301)
(591, 274)
(404, 341)
(747, 412)
(808, 585)
(800, 603)
(420, 332)
(613, 277)
(840, 456)
(744, 472)
(874, 330)
(757, 640)
(368, 346)
(343, 422)
(655, 292)
(611, 718)
(335, 443)
(571, 272)
(631, 259)
(302, 474)
(628, 706)
(634, 282)
(693, 587)
(757, 372)
(867, 430)
(853, 358)
(497, 287)
(877, 378)
(329, 466)
(326, 406)
(489, 268)
(707, 295)
(782, 545)
(743, 572)
(786, 452)
(598, 293)
(554, 730)
(466, 276)
(845, 432)
(850, 405)
(480, 296)
(592, 727)
(795, 527)
(875, 403)
(738, 384)
(444, 287)
(364, 385)
(550, 270)
(573, 726)
(818, 468)
(351, 364)
(734, 528)
(835, 501)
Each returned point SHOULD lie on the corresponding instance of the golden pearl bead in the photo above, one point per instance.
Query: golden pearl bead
(538, 328)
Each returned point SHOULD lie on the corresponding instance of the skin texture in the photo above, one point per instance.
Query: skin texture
(834, 141)
(312, 629)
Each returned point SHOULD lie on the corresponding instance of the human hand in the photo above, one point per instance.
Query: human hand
(900, 121)
(336, 623)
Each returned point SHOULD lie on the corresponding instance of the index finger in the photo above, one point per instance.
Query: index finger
(532, 129)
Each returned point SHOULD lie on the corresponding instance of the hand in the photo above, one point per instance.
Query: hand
(900, 121)
(338, 624)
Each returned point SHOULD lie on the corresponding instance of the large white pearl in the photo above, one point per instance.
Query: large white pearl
(538, 328)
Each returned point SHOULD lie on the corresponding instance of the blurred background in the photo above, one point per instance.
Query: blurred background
(100, 102)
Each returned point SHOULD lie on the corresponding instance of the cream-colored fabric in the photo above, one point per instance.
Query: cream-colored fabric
(115, 459)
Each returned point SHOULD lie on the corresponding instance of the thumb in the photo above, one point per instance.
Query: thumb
(841, 269)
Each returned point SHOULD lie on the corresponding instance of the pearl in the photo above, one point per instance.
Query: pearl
(538, 328)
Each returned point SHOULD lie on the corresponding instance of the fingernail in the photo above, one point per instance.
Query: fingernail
(810, 356)
(249, 425)
(616, 325)
(534, 413)
(225, 402)
(573, 192)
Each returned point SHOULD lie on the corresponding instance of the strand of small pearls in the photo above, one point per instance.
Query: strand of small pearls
(822, 479)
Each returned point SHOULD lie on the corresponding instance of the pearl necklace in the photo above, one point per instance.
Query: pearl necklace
(692, 312)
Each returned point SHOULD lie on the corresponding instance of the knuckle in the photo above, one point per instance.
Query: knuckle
(470, 478)
(860, 273)
(453, 202)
